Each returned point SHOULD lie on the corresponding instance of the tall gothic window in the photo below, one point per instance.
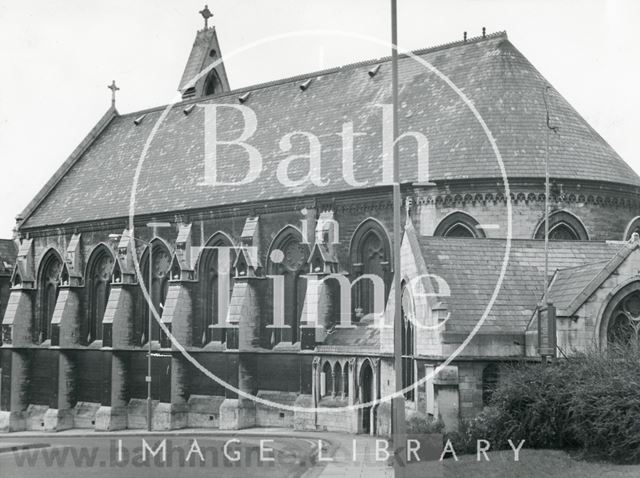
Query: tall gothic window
(408, 344)
(98, 280)
(370, 254)
(563, 226)
(48, 282)
(216, 279)
(624, 325)
(161, 262)
(459, 224)
(292, 267)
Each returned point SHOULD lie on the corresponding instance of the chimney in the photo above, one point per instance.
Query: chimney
(484, 32)
(465, 36)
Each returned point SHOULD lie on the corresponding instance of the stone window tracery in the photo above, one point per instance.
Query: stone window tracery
(48, 284)
(624, 325)
(98, 286)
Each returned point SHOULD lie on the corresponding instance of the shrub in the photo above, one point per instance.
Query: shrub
(590, 401)
(421, 423)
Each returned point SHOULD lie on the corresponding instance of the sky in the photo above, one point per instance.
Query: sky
(58, 56)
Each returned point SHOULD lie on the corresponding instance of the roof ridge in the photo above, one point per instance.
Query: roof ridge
(326, 71)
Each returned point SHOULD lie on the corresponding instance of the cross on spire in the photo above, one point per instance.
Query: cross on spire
(113, 89)
(206, 14)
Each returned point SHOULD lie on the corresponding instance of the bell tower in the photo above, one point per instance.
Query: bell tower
(204, 53)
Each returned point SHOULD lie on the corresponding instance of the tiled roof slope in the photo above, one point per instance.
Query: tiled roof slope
(505, 88)
(568, 283)
(8, 251)
(471, 268)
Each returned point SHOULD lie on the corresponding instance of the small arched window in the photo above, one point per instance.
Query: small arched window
(212, 83)
(161, 263)
(292, 267)
(345, 380)
(339, 382)
(459, 224)
(370, 254)
(48, 283)
(98, 280)
(490, 376)
(408, 343)
(216, 286)
(327, 379)
(563, 226)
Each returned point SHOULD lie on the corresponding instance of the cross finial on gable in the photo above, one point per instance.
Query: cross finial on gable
(113, 89)
(206, 14)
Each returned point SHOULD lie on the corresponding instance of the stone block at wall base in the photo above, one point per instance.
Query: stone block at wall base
(204, 411)
(56, 420)
(12, 422)
(84, 414)
(34, 417)
(303, 420)
(236, 414)
(137, 412)
(111, 419)
(169, 416)
(383, 419)
(268, 415)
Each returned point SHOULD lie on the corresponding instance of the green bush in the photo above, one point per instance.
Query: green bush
(421, 423)
(590, 402)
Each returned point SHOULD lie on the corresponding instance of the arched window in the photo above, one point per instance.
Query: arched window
(563, 226)
(161, 262)
(345, 379)
(459, 224)
(292, 267)
(212, 83)
(216, 286)
(408, 343)
(370, 254)
(633, 226)
(624, 325)
(339, 383)
(490, 376)
(327, 379)
(48, 282)
(98, 280)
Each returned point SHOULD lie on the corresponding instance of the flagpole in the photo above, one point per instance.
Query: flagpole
(398, 426)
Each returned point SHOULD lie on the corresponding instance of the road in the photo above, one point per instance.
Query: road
(156, 456)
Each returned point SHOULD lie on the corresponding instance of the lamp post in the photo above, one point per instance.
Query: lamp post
(155, 226)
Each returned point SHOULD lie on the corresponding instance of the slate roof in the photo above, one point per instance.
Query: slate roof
(568, 283)
(471, 268)
(503, 85)
(570, 288)
(8, 251)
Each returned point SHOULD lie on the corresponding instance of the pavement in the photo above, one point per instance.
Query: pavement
(342, 455)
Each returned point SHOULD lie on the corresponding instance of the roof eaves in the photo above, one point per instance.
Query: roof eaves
(77, 153)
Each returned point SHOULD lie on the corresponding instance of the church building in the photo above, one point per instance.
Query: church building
(247, 273)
